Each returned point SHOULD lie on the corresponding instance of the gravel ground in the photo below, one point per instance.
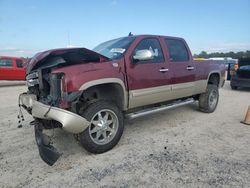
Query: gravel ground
(5, 83)
(177, 148)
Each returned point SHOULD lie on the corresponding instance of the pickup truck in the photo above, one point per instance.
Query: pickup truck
(240, 74)
(89, 92)
(11, 68)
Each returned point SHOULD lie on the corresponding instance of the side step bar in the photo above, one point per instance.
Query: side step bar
(153, 110)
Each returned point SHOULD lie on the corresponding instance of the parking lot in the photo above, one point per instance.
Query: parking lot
(179, 147)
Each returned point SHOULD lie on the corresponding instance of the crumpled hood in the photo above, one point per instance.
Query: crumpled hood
(71, 54)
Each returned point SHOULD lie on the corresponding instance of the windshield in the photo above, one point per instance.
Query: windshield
(114, 49)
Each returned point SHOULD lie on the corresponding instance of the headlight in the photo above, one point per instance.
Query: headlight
(32, 79)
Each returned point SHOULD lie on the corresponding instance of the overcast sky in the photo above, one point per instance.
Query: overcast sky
(29, 26)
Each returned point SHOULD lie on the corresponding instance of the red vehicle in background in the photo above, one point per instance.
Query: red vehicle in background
(12, 68)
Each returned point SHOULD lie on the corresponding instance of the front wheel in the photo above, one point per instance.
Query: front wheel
(208, 101)
(106, 127)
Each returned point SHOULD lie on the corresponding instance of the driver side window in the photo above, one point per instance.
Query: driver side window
(154, 46)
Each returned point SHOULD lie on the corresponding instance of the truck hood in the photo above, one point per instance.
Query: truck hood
(64, 57)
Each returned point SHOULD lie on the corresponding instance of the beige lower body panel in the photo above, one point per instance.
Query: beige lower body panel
(142, 97)
(70, 121)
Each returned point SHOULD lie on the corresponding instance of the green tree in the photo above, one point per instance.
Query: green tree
(234, 55)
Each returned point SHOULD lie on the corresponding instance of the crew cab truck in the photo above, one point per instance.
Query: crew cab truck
(11, 68)
(90, 92)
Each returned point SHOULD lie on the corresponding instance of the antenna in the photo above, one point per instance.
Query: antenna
(68, 39)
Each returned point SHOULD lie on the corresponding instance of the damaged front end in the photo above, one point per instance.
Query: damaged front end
(49, 117)
(48, 101)
(69, 121)
(47, 152)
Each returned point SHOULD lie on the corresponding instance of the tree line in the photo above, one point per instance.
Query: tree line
(234, 55)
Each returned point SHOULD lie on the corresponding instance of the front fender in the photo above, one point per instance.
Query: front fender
(97, 82)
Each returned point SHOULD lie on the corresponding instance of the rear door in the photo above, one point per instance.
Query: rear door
(20, 71)
(181, 67)
(148, 80)
(7, 71)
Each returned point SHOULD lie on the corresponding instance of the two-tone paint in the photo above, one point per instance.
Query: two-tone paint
(145, 83)
(142, 83)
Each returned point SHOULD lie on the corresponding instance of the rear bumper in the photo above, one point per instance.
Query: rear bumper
(240, 82)
(70, 121)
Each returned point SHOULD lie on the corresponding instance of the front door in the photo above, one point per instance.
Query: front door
(148, 80)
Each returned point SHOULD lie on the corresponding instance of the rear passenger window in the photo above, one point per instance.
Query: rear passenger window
(177, 50)
(6, 63)
(154, 46)
(19, 63)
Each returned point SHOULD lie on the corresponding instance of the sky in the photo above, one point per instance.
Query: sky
(29, 26)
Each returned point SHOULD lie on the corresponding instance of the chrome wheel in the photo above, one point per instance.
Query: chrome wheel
(213, 99)
(103, 128)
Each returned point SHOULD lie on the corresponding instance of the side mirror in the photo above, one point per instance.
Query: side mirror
(143, 55)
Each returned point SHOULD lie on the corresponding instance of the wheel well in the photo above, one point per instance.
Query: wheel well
(111, 91)
(214, 78)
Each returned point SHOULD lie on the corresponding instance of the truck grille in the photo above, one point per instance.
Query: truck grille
(32, 79)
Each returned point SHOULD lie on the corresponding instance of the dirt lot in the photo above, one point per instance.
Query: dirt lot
(178, 148)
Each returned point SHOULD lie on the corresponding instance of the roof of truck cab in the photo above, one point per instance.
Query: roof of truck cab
(163, 36)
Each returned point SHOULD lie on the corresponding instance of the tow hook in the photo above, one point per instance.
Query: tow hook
(47, 152)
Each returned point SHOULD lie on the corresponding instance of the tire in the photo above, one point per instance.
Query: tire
(208, 101)
(106, 127)
(234, 87)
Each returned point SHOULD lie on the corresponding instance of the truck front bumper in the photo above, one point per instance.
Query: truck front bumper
(47, 152)
(70, 122)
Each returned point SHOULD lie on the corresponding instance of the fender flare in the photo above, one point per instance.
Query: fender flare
(92, 83)
(215, 72)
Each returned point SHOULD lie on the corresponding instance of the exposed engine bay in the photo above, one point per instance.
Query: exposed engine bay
(47, 86)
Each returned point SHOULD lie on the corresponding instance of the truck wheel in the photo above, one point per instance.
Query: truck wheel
(106, 127)
(234, 87)
(208, 101)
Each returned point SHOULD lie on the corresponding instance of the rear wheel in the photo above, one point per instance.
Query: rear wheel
(208, 101)
(105, 129)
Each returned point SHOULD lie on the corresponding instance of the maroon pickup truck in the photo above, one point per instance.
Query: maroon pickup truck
(90, 92)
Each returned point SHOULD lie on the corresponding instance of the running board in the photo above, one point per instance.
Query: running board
(158, 109)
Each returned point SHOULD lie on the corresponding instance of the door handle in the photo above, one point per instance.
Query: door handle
(190, 68)
(163, 70)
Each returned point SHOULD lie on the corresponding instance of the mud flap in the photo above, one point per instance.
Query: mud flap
(47, 152)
